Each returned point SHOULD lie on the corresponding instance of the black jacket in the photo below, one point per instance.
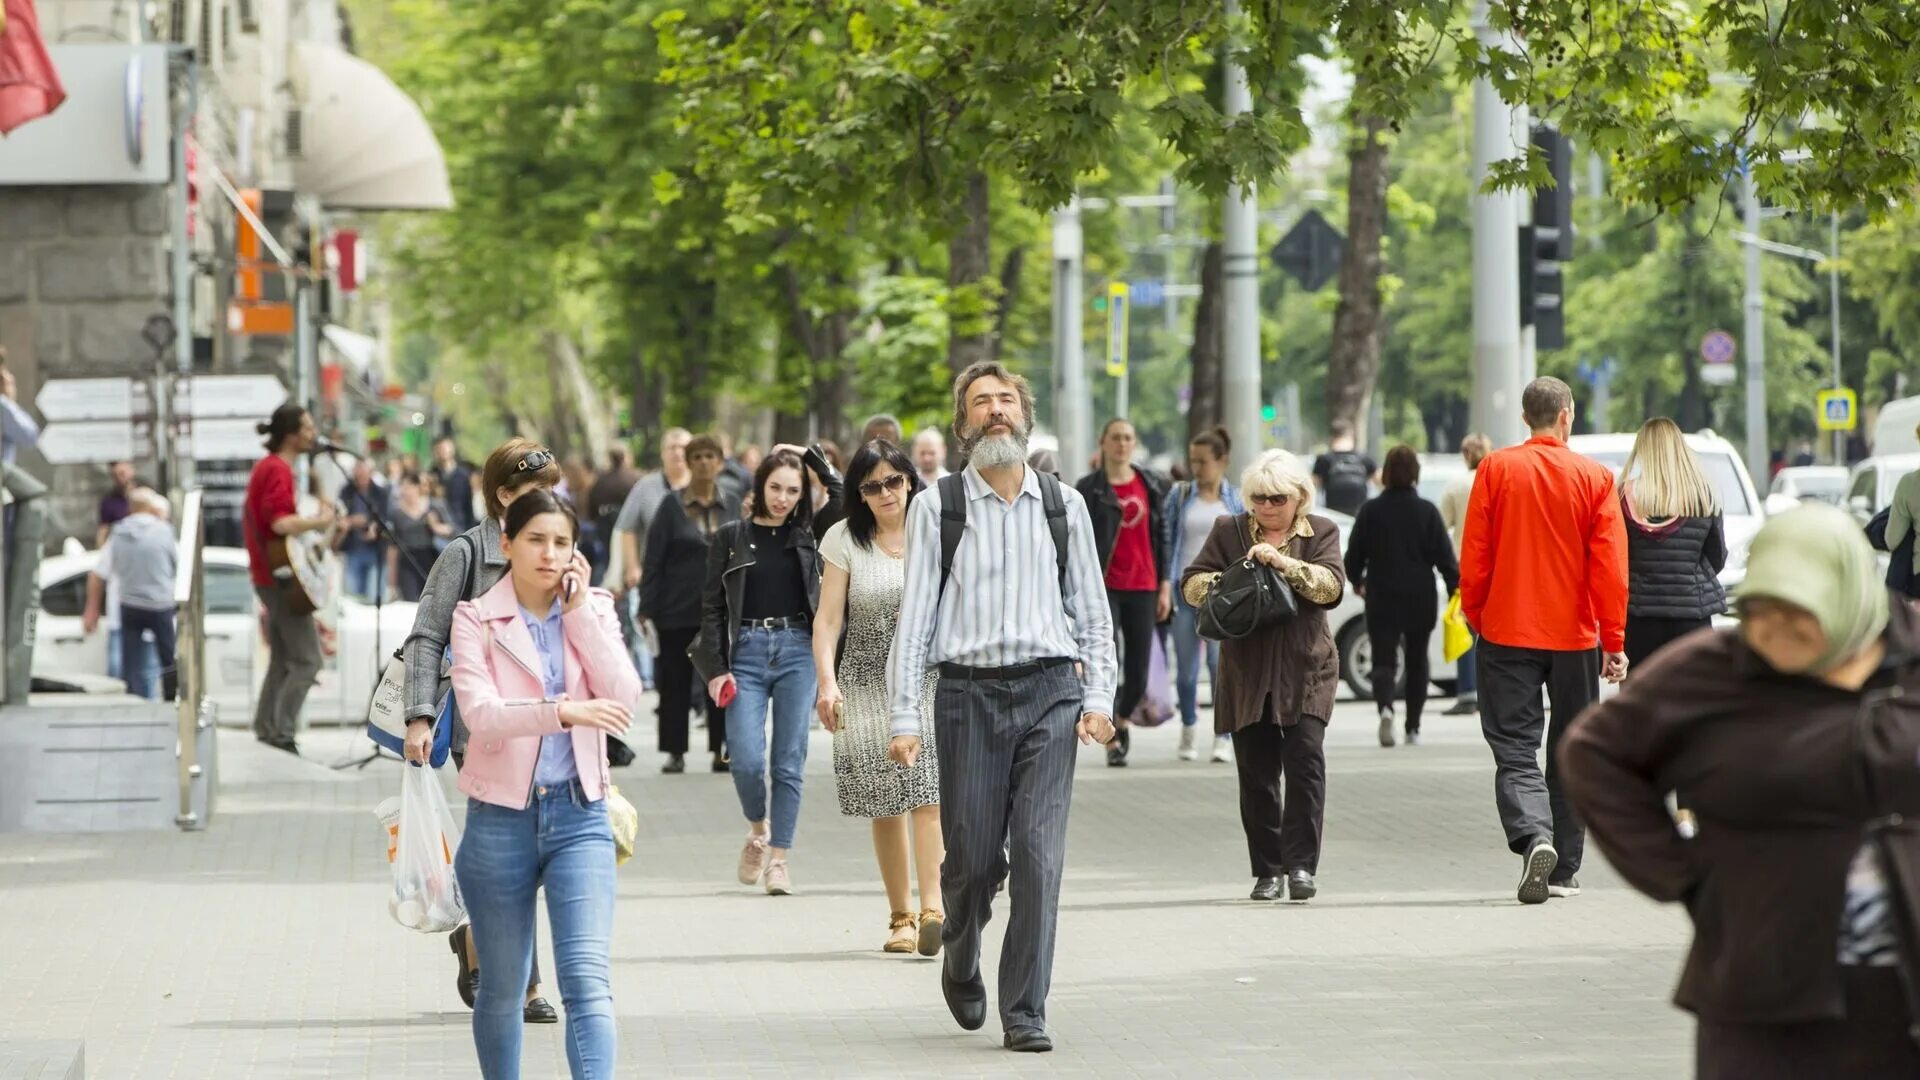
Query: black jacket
(1103, 506)
(1673, 570)
(724, 591)
(1399, 542)
(675, 563)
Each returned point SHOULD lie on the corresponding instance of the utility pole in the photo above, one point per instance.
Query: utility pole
(1754, 348)
(1240, 267)
(1495, 404)
(1070, 404)
(1833, 304)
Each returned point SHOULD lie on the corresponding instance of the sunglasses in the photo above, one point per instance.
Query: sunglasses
(535, 461)
(873, 488)
(1269, 500)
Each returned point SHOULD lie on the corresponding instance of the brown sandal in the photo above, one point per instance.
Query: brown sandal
(901, 940)
(931, 923)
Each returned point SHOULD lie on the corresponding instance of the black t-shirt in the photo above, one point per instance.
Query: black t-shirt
(775, 588)
(1342, 476)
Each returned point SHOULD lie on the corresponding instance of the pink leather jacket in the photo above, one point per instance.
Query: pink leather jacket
(502, 697)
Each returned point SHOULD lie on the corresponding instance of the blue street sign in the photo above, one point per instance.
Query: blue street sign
(1149, 292)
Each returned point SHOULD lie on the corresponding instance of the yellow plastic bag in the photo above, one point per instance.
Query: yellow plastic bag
(1457, 637)
(626, 825)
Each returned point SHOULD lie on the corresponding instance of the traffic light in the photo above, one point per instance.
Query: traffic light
(1548, 243)
(1267, 413)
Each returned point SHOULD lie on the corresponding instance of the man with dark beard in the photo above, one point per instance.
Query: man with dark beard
(1004, 593)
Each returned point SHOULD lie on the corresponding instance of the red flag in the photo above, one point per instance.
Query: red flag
(29, 87)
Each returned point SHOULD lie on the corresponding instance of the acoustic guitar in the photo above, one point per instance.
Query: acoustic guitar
(303, 565)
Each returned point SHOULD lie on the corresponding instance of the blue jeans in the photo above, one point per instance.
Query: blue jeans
(771, 667)
(143, 663)
(1187, 647)
(564, 844)
(365, 568)
(1467, 674)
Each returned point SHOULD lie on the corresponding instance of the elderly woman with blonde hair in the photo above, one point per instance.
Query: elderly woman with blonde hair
(1276, 685)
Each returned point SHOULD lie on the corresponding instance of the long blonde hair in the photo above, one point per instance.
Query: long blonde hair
(1663, 478)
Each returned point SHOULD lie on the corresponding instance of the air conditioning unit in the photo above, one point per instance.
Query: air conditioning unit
(179, 16)
(249, 15)
(296, 134)
(204, 37)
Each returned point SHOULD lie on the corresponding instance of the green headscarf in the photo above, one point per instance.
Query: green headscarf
(1816, 557)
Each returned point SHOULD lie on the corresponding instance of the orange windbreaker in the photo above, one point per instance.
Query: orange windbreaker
(1543, 556)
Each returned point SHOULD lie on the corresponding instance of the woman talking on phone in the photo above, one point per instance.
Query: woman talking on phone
(543, 677)
(756, 647)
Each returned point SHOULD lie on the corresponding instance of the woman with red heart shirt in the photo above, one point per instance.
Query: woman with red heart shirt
(1126, 506)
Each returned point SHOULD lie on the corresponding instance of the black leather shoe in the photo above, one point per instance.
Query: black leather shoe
(676, 763)
(721, 764)
(966, 1000)
(1267, 888)
(468, 981)
(539, 1012)
(1117, 748)
(1028, 1041)
(1300, 886)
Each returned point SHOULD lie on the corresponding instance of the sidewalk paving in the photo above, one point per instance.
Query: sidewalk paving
(261, 948)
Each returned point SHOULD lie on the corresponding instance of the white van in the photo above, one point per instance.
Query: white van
(1894, 428)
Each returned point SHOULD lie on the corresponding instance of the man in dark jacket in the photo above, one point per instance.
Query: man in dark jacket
(1135, 555)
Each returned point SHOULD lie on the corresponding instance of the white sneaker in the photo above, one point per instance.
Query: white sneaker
(1386, 727)
(1188, 751)
(1223, 749)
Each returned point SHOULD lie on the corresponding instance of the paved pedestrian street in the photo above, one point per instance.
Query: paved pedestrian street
(262, 947)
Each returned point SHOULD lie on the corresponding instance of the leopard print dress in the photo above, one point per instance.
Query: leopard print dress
(871, 784)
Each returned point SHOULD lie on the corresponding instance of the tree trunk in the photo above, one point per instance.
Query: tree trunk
(1203, 408)
(583, 424)
(971, 303)
(1010, 270)
(1353, 362)
(825, 340)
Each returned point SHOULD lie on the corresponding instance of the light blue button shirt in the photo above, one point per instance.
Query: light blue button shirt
(556, 764)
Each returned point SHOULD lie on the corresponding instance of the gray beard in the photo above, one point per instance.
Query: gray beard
(996, 451)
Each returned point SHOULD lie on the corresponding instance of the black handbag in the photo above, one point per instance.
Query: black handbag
(1246, 598)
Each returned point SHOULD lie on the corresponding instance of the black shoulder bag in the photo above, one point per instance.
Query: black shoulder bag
(1246, 598)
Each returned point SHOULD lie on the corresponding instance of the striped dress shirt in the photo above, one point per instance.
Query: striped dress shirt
(1003, 604)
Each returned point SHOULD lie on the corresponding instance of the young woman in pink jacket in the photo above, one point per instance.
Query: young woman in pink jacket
(542, 677)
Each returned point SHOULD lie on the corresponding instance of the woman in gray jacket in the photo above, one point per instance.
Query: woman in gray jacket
(473, 563)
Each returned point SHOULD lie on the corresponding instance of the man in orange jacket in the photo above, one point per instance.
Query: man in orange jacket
(1543, 581)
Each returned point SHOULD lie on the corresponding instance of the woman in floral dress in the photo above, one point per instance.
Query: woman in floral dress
(860, 593)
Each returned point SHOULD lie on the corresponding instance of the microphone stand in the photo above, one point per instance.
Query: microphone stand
(385, 531)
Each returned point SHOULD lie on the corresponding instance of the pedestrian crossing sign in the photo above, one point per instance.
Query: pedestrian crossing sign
(1837, 410)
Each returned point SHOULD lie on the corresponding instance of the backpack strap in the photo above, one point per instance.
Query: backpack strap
(1056, 507)
(473, 567)
(953, 522)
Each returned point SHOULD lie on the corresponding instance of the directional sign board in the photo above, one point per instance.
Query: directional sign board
(79, 442)
(1836, 410)
(86, 399)
(253, 396)
(1310, 251)
(222, 438)
(124, 398)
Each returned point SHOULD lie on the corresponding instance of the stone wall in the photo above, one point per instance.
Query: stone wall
(81, 270)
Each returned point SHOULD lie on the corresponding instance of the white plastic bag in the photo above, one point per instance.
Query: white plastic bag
(422, 842)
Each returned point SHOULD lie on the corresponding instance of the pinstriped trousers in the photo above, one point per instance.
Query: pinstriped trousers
(1006, 779)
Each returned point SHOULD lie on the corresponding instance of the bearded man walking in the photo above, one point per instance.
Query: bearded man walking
(1004, 593)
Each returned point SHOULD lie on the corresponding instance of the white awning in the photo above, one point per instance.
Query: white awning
(364, 144)
(358, 350)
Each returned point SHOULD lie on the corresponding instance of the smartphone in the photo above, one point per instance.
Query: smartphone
(726, 694)
(566, 588)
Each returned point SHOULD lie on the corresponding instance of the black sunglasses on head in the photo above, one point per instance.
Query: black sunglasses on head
(534, 461)
(872, 488)
(1269, 500)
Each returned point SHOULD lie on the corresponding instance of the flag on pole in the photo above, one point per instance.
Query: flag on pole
(29, 87)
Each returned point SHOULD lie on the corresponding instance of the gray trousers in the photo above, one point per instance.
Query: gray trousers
(1006, 779)
(293, 662)
(1532, 805)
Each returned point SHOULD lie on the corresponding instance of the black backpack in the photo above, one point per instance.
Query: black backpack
(953, 522)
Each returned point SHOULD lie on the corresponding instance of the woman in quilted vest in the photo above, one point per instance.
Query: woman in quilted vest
(1676, 541)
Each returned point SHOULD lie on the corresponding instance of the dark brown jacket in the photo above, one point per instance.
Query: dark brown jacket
(1783, 775)
(1288, 670)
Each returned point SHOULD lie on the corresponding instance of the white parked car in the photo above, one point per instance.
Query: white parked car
(1795, 484)
(1871, 487)
(236, 652)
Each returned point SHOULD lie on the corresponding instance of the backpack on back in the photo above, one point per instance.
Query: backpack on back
(953, 522)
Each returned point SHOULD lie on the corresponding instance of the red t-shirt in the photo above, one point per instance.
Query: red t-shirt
(269, 498)
(1131, 568)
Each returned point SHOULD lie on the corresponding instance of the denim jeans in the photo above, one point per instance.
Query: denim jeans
(366, 566)
(141, 662)
(771, 667)
(1466, 672)
(564, 844)
(1187, 647)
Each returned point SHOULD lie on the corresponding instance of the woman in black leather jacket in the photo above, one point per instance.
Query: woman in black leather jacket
(1676, 541)
(756, 647)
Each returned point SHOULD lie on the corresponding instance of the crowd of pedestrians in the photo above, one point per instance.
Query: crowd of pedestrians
(958, 634)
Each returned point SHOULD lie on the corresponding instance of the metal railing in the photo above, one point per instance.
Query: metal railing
(194, 750)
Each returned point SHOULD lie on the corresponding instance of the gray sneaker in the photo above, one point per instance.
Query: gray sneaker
(1386, 727)
(1540, 861)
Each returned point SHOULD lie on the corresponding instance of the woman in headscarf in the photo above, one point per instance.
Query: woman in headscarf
(1792, 736)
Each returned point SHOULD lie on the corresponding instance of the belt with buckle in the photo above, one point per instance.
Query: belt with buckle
(785, 622)
(1002, 674)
